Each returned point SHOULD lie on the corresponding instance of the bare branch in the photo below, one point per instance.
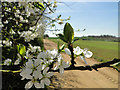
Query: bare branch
(93, 67)
(90, 68)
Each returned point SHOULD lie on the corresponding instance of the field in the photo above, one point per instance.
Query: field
(106, 77)
(102, 50)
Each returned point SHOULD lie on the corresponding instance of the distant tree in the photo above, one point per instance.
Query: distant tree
(46, 36)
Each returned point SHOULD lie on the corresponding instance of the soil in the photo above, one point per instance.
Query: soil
(103, 78)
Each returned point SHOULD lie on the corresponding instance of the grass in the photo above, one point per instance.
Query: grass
(102, 50)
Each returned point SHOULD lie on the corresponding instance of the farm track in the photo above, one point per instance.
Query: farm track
(104, 78)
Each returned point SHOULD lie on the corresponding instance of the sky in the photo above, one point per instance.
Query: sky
(98, 18)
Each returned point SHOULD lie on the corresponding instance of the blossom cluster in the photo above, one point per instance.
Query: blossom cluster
(28, 35)
(7, 43)
(37, 70)
(34, 32)
(83, 53)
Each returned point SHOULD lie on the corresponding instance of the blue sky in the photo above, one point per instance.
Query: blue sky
(99, 18)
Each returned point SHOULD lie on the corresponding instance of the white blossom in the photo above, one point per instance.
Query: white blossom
(6, 22)
(30, 66)
(87, 53)
(31, 83)
(25, 73)
(48, 56)
(34, 48)
(28, 35)
(7, 62)
(45, 55)
(7, 43)
(45, 79)
(21, 18)
(77, 50)
(61, 65)
(54, 53)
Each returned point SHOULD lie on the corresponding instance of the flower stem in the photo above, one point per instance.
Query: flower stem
(70, 46)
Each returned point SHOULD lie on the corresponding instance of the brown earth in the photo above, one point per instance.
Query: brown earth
(104, 78)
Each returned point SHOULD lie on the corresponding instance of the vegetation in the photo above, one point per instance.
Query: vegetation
(102, 50)
(101, 38)
(23, 25)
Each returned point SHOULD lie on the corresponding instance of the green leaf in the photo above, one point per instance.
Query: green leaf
(68, 32)
(62, 37)
(21, 49)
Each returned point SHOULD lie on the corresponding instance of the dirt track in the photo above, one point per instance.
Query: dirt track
(104, 78)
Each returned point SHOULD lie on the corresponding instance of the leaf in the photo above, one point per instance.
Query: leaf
(62, 37)
(21, 49)
(68, 32)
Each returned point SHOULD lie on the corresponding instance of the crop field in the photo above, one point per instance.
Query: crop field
(102, 50)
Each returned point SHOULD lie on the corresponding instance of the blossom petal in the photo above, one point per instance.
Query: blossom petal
(42, 55)
(37, 75)
(29, 85)
(67, 51)
(25, 73)
(39, 68)
(29, 76)
(47, 81)
(49, 74)
(37, 84)
(28, 70)
(37, 62)
(42, 83)
(43, 67)
(88, 54)
(45, 70)
(29, 64)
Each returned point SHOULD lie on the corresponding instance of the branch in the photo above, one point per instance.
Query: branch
(90, 68)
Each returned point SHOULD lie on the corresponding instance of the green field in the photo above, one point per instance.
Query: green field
(102, 50)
